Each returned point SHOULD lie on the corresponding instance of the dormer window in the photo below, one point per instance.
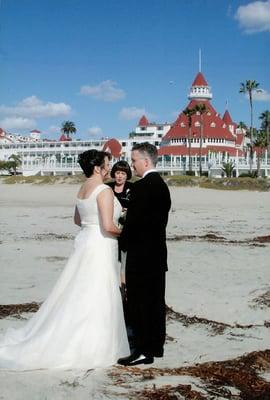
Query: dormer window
(208, 113)
(197, 124)
(224, 126)
(182, 125)
(213, 125)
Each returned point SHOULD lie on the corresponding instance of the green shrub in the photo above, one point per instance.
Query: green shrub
(248, 175)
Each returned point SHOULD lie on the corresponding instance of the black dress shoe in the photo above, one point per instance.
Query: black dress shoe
(158, 354)
(135, 359)
(142, 360)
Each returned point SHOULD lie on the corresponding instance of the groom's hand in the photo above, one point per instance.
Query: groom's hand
(123, 291)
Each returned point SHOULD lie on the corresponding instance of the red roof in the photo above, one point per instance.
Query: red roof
(63, 138)
(213, 125)
(184, 150)
(259, 150)
(113, 147)
(239, 139)
(180, 151)
(143, 121)
(199, 80)
(232, 151)
(227, 118)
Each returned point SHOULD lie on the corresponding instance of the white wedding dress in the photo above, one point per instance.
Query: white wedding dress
(81, 324)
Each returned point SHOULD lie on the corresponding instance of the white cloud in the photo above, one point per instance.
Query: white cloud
(33, 107)
(94, 131)
(106, 91)
(262, 95)
(17, 123)
(54, 129)
(254, 17)
(129, 113)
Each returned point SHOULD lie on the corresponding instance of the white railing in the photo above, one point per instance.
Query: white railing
(213, 168)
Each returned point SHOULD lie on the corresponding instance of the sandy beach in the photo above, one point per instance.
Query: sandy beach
(218, 287)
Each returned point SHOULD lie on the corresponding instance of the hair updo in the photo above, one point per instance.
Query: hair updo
(121, 166)
(90, 159)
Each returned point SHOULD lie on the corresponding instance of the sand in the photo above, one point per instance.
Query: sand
(218, 272)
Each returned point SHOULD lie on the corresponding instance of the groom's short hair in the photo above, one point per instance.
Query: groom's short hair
(147, 150)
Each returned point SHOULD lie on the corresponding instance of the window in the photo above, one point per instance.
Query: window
(213, 125)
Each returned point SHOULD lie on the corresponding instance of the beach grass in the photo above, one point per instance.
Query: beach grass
(44, 180)
(258, 184)
(245, 183)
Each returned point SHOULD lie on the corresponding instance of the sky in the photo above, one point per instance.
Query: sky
(103, 64)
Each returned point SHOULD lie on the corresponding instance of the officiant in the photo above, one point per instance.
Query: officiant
(121, 174)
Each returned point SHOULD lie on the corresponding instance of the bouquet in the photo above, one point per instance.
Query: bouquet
(122, 218)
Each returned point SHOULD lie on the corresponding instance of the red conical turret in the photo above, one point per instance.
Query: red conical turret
(143, 121)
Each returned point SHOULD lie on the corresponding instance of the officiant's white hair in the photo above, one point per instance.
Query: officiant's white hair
(147, 150)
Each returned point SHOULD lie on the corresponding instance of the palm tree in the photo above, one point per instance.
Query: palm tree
(265, 117)
(241, 125)
(200, 109)
(189, 112)
(68, 127)
(15, 162)
(261, 144)
(228, 168)
(250, 87)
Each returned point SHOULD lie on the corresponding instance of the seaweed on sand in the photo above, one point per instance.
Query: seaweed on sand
(221, 379)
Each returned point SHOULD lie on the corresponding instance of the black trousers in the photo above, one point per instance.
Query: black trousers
(146, 311)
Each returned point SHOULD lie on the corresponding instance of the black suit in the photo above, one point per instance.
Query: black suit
(144, 239)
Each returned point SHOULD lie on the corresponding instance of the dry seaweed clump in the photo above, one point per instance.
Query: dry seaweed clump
(262, 301)
(237, 379)
(169, 392)
(259, 241)
(15, 310)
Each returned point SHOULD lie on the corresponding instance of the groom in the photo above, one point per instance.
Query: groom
(144, 239)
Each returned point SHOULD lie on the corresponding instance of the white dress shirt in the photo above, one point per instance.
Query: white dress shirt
(148, 172)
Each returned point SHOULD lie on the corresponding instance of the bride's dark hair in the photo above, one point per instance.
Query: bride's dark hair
(89, 159)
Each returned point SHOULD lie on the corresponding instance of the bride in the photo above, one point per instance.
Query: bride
(81, 324)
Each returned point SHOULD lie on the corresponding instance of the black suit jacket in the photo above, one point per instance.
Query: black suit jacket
(144, 232)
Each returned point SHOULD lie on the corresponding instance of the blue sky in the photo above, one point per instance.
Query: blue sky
(102, 64)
